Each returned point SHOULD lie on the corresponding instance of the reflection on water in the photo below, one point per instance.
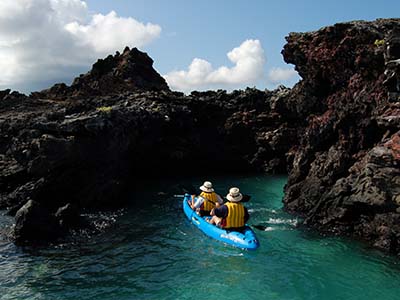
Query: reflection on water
(150, 251)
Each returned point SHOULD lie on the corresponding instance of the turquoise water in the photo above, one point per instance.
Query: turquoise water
(150, 251)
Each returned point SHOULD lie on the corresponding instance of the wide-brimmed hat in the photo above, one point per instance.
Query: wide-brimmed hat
(234, 195)
(207, 187)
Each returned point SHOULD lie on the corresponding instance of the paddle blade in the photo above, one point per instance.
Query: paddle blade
(188, 188)
(246, 198)
(260, 227)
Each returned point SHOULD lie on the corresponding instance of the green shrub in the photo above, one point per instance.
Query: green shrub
(379, 43)
(104, 109)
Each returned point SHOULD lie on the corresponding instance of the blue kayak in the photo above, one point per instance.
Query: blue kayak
(246, 239)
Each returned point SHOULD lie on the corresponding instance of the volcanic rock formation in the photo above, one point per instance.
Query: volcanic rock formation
(336, 132)
(345, 176)
(129, 71)
(81, 145)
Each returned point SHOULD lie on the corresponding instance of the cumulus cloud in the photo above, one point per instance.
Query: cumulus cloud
(43, 40)
(280, 75)
(248, 60)
(103, 33)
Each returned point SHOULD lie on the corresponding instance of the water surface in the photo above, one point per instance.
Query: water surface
(150, 251)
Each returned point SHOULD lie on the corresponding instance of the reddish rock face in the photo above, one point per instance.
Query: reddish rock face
(394, 145)
(345, 175)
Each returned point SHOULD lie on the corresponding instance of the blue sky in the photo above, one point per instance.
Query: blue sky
(182, 31)
(209, 29)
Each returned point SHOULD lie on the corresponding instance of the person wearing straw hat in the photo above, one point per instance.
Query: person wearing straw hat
(207, 200)
(232, 215)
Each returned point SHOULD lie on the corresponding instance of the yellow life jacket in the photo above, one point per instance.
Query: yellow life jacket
(235, 216)
(210, 200)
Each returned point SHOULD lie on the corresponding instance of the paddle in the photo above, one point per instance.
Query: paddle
(259, 227)
(188, 188)
(246, 198)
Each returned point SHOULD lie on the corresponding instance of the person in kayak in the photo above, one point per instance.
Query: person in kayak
(232, 215)
(207, 200)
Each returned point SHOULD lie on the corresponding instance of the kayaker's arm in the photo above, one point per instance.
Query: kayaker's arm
(221, 212)
(198, 202)
(220, 201)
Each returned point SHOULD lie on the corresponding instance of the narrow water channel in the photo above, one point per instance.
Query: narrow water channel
(151, 251)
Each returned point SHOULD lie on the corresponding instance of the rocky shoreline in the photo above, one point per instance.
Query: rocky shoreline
(345, 176)
(336, 133)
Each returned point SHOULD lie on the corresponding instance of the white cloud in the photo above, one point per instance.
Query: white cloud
(280, 75)
(248, 60)
(44, 40)
(103, 33)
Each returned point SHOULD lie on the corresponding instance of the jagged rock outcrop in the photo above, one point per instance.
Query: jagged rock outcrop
(345, 174)
(132, 70)
(34, 222)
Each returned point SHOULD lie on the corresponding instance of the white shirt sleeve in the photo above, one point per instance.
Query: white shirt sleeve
(219, 199)
(199, 201)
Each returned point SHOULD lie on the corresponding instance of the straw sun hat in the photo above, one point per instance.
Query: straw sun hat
(234, 195)
(207, 187)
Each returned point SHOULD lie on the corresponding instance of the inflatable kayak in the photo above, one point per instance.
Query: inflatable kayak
(246, 239)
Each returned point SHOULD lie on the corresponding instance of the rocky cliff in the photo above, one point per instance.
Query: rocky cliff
(70, 148)
(345, 175)
(336, 132)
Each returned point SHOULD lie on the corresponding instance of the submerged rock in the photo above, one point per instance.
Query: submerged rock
(35, 224)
